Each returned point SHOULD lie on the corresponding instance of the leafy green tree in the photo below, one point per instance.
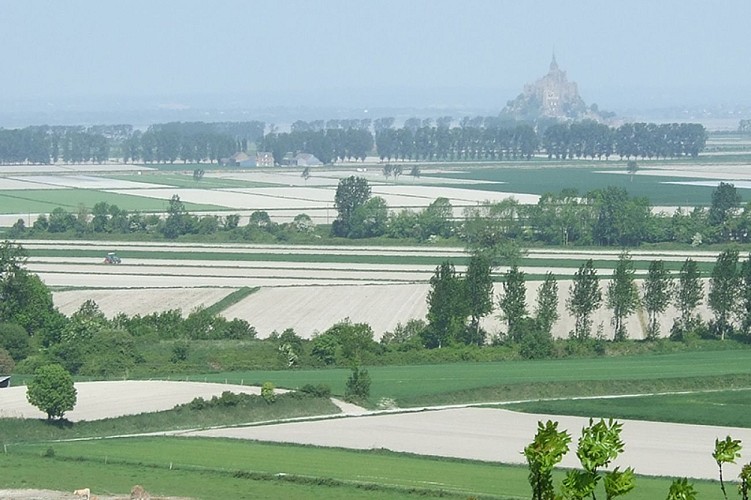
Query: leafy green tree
(437, 219)
(584, 298)
(52, 391)
(546, 310)
(657, 292)
(724, 290)
(479, 296)
(681, 489)
(542, 454)
(15, 340)
(725, 200)
(622, 295)
(447, 307)
(689, 294)
(599, 444)
(726, 452)
(492, 230)
(24, 298)
(351, 193)
(405, 337)
(513, 302)
(369, 220)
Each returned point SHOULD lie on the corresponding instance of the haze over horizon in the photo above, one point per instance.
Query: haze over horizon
(82, 56)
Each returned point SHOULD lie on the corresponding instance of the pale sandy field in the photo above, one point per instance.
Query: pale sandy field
(308, 297)
(98, 400)
(82, 182)
(652, 448)
(132, 302)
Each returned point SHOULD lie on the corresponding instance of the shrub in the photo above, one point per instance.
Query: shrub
(6, 362)
(227, 399)
(267, 392)
(319, 391)
(15, 340)
(358, 385)
(180, 351)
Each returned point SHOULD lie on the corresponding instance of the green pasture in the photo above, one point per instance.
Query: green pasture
(544, 179)
(325, 472)
(604, 265)
(417, 385)
(187, 181)
(45, 201)
(16, 430)
(727, 408)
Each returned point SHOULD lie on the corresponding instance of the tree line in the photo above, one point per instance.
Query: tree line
(457, 303)
(603, 217)
(480, 138)
(193, 142)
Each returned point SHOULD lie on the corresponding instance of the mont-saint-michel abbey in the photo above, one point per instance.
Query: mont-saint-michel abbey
(552, 96)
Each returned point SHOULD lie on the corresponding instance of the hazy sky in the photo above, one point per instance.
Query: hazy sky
(373, 52)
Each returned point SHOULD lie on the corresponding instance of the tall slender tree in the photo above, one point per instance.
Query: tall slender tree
(546, 310)
(724, 290)
(689, 294)
(513, 302)
(657, 290)
(584, 298)
(447, 307)
(479, 296)
(622, 295)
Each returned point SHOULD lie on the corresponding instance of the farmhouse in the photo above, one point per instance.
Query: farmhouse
(244, 160)
(301, 160)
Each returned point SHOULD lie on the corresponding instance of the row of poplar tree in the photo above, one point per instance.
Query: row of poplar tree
(457, 303)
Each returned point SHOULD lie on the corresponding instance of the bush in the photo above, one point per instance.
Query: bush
(15, 340)
(267, 392)
(227, 399)
(6, 362)
(180, 351)
(358, 385)
(536, 344)
(319, 391)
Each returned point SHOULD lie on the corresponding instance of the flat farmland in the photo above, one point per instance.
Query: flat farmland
(285, 193)
(306, 288)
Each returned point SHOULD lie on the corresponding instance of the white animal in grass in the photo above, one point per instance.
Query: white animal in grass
(83, 492)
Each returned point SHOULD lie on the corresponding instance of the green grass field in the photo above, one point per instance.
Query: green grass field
(510, 380)
(543, 179)
(604, 264)
(327, 473)
(728, 408)
(45, 201)
(16, 430)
